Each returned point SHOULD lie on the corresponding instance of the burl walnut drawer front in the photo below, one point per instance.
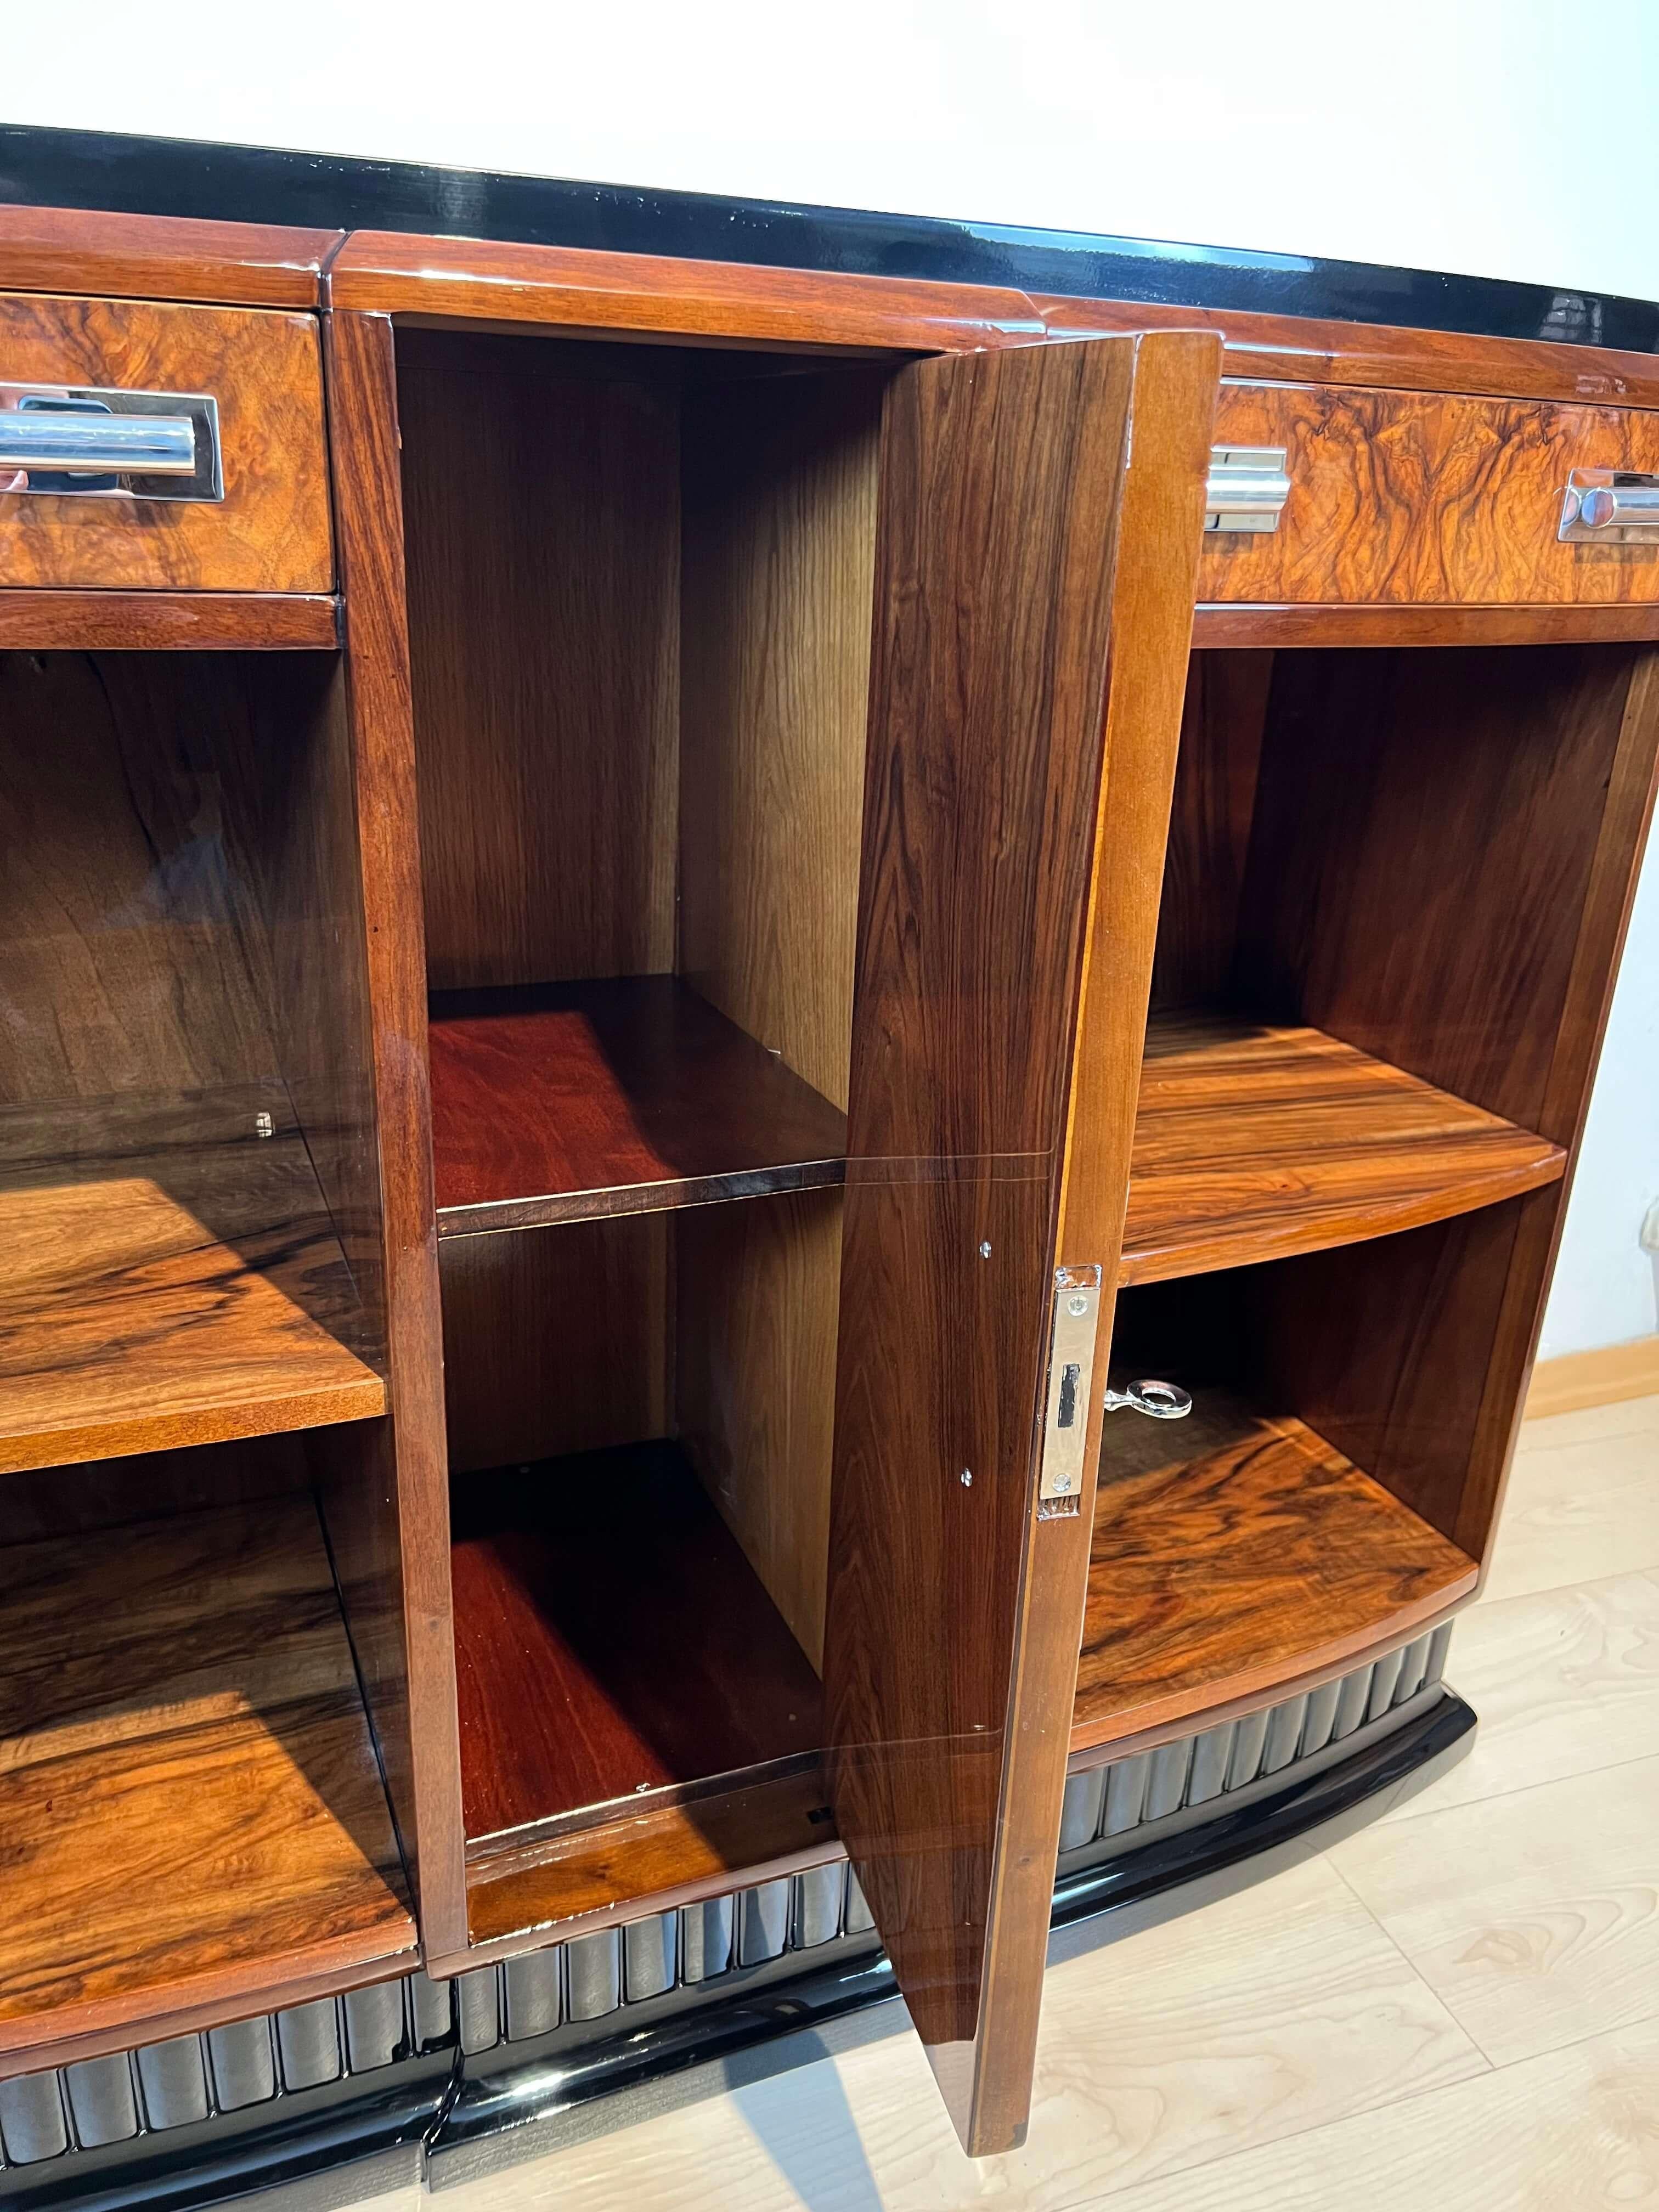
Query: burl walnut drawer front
(1426, 499)
(80, 361)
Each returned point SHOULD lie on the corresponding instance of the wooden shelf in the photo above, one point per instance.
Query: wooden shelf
(567, 1102)
(193, 1816)
(615, 1652)
(167, 1277)
(1232, 1553)
(1254, 1142)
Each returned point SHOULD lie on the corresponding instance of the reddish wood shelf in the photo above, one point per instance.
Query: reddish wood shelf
(168, 1277)
(615, 1651)
(1233, 1551)
(567, 1102)
(194, 1822)
(1254, 1142)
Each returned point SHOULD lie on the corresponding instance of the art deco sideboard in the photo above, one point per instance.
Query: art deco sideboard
(682, 941)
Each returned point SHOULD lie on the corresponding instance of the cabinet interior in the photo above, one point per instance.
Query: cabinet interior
(190, 1301)
(639, 586)
(1349, 1149)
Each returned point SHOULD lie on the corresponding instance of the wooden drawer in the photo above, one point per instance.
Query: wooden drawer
(1427, 499)
(270, 532)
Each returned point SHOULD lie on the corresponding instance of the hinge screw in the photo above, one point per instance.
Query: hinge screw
(985, 1248)
(1078, 1305)
(967, 1478)
(264, 1125)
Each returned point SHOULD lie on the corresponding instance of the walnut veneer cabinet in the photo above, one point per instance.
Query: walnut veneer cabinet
(665, 923)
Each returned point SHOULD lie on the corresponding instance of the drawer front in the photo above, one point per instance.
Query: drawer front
(1425, 499)
(263, 370)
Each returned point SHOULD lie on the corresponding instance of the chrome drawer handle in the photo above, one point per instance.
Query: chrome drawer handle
(1603, 506)
(80, 442)
(1246, 489)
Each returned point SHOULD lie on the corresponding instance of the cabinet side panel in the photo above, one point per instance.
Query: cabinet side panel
(387, 1508)
(780, 501)
(1423, 842)
(557, 1340)
(755, 1383)
(542, 495)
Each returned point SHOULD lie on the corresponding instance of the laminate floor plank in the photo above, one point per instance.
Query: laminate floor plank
(1582, 1501)
(1535, 1915)
(1577, 2130)
(1565, 1681)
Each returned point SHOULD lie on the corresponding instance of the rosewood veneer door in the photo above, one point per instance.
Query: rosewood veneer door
(1006, 574)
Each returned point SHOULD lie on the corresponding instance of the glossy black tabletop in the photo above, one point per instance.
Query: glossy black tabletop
(42, 167)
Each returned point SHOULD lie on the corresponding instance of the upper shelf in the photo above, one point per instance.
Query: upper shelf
(1254, 1142)
(565, 1102)
(167, 1276)
(192, 1810)
(1233, 1552)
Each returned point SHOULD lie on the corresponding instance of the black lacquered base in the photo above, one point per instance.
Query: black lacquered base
(450, 2113)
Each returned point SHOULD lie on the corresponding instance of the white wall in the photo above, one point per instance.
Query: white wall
(1440, 134)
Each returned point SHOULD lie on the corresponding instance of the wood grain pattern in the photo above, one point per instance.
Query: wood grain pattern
(132, 947)
(1211, 811)
(1253, 1142)
(168, 1277)
(1000, 485)
(95, 622)
(148, 256)
(113, 1493)
(671, 1856)
(602, 1671)
(557, 1340)
(474, 279)
(1234, 1551)
(541, 491)
(188, 1689)
(288, 770)
(389, 1521)
(1412, 499)
(269, 533)
(1300, 348)
(756, 1305)
(1438, 938)
(573, 1100)
(1360, 625)
(778, 566)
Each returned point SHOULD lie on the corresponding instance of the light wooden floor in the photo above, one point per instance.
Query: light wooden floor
(1456, 2009)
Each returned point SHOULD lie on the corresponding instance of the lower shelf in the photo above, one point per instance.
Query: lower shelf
(1233, 1552)
(625, 1683)
(190, 1806)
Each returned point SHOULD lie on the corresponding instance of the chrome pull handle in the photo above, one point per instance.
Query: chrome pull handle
(1164, 1401)
(85, 443)
(1246, 489)
(1609, 506)
(99, 445)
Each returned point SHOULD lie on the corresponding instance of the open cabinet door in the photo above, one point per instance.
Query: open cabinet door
(1019, 557)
